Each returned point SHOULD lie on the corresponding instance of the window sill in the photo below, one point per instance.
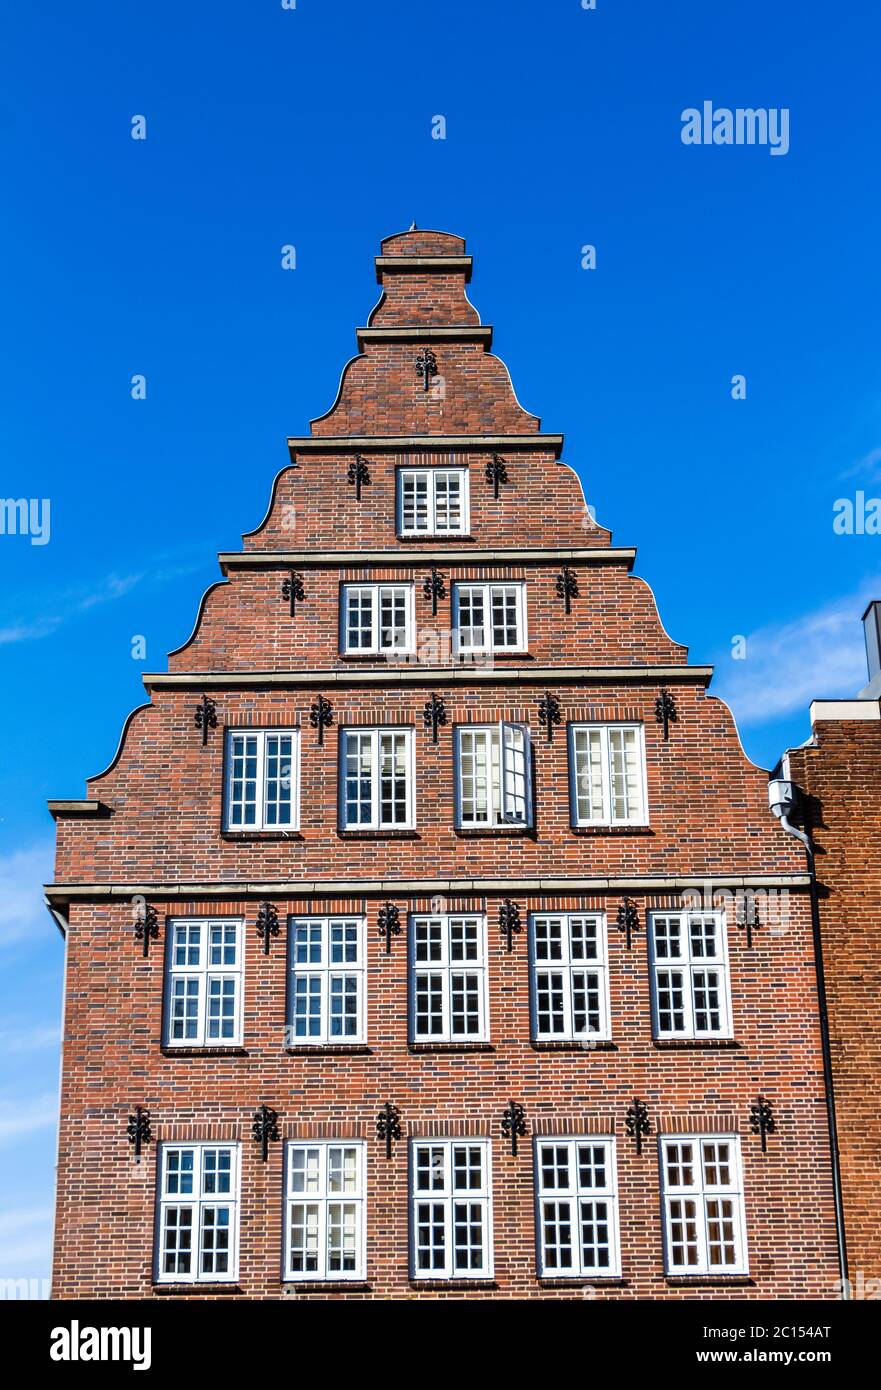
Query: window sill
(250, 836)
(173, 1050)
(450, 1047)
(379, 834)
(453, 1284)
(294, 1286)
(688, 1044)
(572, 1045)
(709, 1281)
(383, 658)
(434, 537)
(198, 1288)
(582, 1281)
(473, 832)
(331, 1050)
(479, 656)
(611, 830)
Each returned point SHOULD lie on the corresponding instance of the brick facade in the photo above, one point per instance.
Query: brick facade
(840, 771)
(152, 828)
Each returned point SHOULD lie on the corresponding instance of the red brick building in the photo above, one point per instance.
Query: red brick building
(837, 774)
(432, 842)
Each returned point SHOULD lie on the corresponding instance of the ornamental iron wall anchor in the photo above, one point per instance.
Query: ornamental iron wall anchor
(388, 920)
(292, 589)
(358, 473)
(434, 588)
(567, 586)
(434, 714)
(761, 1118)
(637, 1122)
(426, 367)
(665, 711)
(265, 1129)
(514, 1124)
(549, 713)
(746, 913)
(388, 1126)
(320, 716)
(628, 920)
(146, 924)
(138, 1129)
(206, 717)
(496, 472)
(267, 924)
(509, 922)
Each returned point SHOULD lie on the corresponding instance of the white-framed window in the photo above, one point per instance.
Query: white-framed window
(198, 1213)
(433, 502)
(489, 618)
(577, 1208)
(262, 779)
(203, 982)
(448, 978)
(493, 775)
(325, 1210)
(704, 1221)
(376, 618)
(451, 1220)
(377, 779)
(570, 977)
(691, 990)
(326, 990)
(607, 774)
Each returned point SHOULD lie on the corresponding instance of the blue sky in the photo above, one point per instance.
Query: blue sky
(312, 127)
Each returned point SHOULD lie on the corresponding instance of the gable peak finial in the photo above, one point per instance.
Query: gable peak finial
(413, 227)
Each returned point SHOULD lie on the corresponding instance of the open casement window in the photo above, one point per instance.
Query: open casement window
(198, 1213)
(262, 779)
(376, 779)
(325, 1210)
(577, 1208)
(691, 993)
(489, 618)
(451, 1212)
(448, 985)
(326, 992)
(203, 983)
(377, 618)
(493, 775)
(433, 501)
(570, 982)
(607, 774)
(704, 1223)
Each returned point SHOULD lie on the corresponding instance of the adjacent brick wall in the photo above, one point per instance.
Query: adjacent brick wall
(841, 771)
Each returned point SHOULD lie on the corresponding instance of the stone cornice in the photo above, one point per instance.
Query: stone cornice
(422, 887)
(76, 808)
(461, 555)
(402, 443)
(421, 674)
(464, 333)
(422, 265)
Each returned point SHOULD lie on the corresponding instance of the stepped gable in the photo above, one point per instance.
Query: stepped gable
(164, 794)
(381, 391)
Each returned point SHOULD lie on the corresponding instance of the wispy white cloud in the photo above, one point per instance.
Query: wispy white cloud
(868, 468)
(20, 1116)
(29, 631)
(22, 910)
(29, 626)
(820, 655)
(21, 1036)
